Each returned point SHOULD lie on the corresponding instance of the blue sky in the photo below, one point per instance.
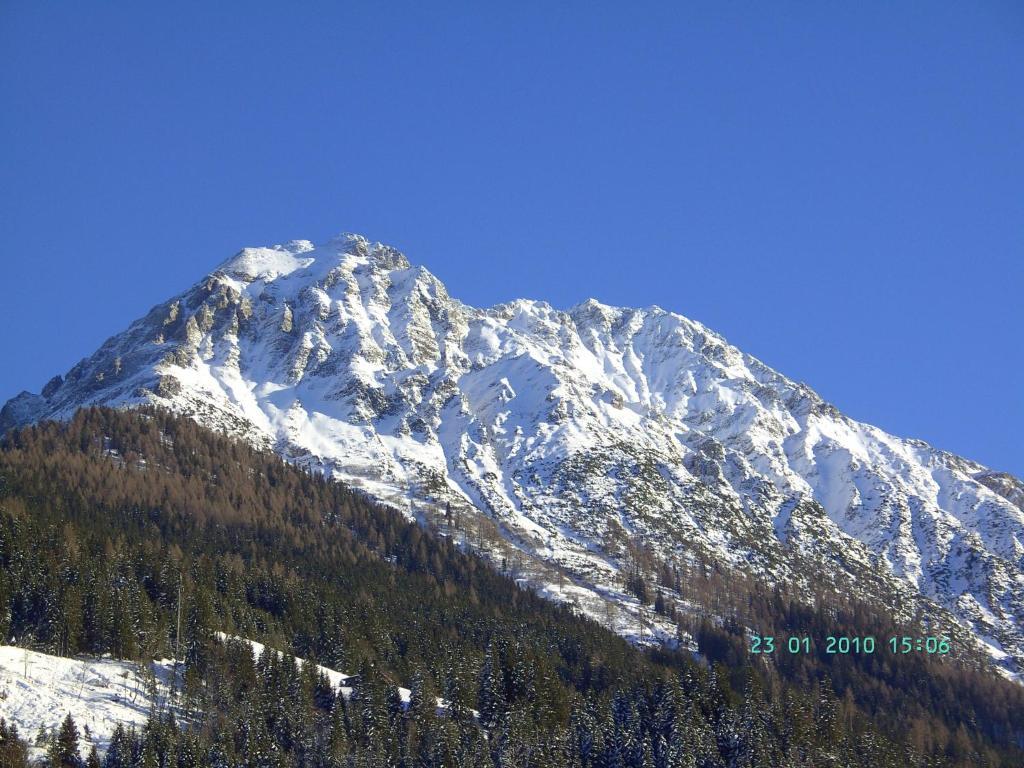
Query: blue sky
(837, 188)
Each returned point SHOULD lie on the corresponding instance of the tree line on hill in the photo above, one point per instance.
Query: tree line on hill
(142, 535)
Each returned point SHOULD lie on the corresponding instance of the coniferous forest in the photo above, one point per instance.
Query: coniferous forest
(142, 535)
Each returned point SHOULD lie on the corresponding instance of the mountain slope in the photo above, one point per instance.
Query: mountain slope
(585, 434)
(141, 535)
(38, 690)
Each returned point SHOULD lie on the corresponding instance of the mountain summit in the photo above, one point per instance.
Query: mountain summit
(582, 433)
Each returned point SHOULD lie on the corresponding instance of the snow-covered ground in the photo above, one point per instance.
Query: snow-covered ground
(37, 691)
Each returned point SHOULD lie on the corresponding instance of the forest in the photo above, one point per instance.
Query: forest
(142, 535)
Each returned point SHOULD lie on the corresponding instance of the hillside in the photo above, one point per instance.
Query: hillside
(143, 535)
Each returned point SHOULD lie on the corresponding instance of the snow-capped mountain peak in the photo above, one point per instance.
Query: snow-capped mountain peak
(577, 431)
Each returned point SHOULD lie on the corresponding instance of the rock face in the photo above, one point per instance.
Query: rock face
(570, 428)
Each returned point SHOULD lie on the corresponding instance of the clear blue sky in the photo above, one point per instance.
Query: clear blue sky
(837, 188)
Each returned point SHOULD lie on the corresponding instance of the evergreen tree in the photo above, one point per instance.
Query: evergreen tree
(119, 753)
(339, 730)
(63, 752)
(188, 753)
(491, 702)
(13, 751)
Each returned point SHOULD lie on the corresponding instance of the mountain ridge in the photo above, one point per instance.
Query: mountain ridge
(581, 432)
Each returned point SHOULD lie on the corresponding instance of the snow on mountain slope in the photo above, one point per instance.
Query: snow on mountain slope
(575, 430)
(37, 691)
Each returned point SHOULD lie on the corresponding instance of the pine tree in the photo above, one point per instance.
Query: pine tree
(453, 697)
(13, 751)
(323, 693)
(119, 753)
(339, 733)
(216, 757)
(188, 753)
(491, 701)
(63, 752)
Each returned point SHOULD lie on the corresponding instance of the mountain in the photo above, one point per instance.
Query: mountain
(603, 442)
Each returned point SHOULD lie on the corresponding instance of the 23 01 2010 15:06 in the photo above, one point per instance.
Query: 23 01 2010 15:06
(842, 644)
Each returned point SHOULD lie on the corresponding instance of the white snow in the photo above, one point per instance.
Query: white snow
(266, 263)
(38, 691)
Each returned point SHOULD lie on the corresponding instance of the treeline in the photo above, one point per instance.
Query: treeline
(272, 713)
(102, 550)
(141, 534)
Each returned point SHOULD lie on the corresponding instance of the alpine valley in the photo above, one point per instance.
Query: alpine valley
(578, 450)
